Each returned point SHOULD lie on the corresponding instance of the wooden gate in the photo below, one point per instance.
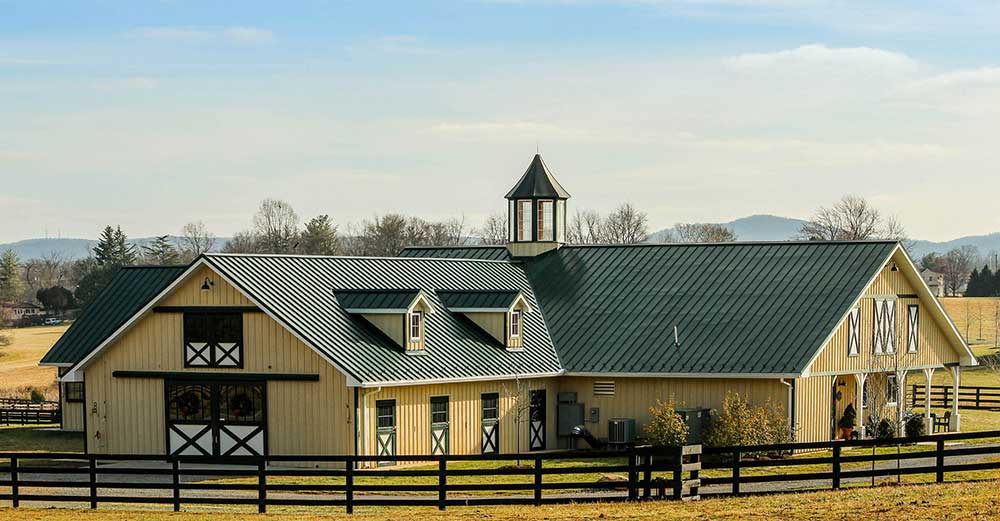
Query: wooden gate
(385, 429)
(536, 423)
(439, 425)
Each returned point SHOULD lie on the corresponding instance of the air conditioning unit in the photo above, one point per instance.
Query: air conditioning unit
(621, 431)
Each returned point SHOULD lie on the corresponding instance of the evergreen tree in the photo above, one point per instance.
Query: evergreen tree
(161, 251)
(113, 248)
(320, 237)
(987, 282)
(104, 252)
(125, 253)
(974, 288)
(11, 285)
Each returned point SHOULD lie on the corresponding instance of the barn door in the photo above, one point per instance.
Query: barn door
(491, 423)
(439, 425)
(536, 424)
(212, 419)
(385, 429)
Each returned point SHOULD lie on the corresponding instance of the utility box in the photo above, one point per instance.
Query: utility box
(569, 414)
(697, 419)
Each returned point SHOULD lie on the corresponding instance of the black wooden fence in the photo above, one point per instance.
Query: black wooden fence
(545, 477)
(24, 412)
(968, 397)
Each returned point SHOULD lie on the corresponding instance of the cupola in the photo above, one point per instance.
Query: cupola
(536, 216)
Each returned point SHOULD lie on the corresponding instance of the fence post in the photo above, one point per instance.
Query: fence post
(14, 488)
(940, 461)
(93, 482)
(678, 464)
(737, 459)
(176, 474)
(633, 478)
(442, 482)
(947, 392)
(978, 389)
(261, 486)
(538, 481)
(349, 486)
(647, 475)
(836, 466)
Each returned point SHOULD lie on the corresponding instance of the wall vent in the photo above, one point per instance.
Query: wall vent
(604, 388)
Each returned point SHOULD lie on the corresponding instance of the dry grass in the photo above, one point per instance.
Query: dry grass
(19, 370)
(911, 503)
(976, 320)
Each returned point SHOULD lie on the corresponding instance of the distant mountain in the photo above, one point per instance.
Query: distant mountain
(754, 228)
(74, 249)
(776, 228)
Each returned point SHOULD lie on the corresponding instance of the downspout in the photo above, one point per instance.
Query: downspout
(791, 404)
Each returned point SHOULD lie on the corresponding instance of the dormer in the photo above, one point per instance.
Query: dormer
(536, 212)
(398, 313)
(499, 313)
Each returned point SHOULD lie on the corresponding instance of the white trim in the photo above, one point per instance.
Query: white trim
(56, 364)
(400, 383)
(520, 323)
(72, 374)
(877, 370)
(770, 376)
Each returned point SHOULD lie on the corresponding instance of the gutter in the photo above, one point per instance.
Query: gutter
(361, 432)
(791, 402)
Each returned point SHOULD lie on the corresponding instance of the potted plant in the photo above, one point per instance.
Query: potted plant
(847, 422)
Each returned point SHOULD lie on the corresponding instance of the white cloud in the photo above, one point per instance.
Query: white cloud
(819, 55)
(238, 35)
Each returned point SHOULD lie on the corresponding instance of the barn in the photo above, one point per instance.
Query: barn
(467, 350)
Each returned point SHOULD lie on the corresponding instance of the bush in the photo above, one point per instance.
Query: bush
(739, 423)
(37, 395)
(667, 428)
(881, 428)
(915, 427)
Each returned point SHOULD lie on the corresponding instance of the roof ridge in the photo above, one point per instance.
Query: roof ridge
(733, 243)
(355, 257)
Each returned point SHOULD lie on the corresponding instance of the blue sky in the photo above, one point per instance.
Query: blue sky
(153, 114)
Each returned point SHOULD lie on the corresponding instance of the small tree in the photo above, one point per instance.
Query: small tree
(667, 428)
(740, 423)
(11, 285)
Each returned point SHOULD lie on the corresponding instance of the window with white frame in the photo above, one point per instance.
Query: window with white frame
(515, 324)
(416, 322)
(854, 332)
(545, 231)
(912, 327)
(524, 220)
(884, 326)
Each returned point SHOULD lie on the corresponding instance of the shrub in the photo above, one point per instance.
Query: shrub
(667, 428)
(739, 423)
(37, 395)
(915, 427)
(881, 428)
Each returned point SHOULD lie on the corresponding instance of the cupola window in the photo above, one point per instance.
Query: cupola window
(524, 220)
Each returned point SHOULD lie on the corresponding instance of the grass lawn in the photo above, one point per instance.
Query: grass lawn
(975, 318)
(912, 503)
(32, 438)
(19, 370)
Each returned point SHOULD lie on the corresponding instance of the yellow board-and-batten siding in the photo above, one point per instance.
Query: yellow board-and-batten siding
(303, 417)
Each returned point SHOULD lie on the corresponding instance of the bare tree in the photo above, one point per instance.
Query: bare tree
(242, 242)
(494, 229)
(956, 265)
(850, 219)
(586, 227)
(703, 232)
(276, 226)
(196, 239)
(516, 392)
(626, 225)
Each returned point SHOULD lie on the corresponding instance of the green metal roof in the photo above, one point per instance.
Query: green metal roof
(740, 308)
(457, 252)
(360, 299)
(300, 292)
(485, 299)
(130, 289)
(537, 182)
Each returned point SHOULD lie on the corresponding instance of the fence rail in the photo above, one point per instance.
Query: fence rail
(23, 412)
(546, 478)
(968, 397)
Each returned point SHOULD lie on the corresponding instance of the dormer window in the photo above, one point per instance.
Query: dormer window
(416, 325)
(499, 313)
(398, 313)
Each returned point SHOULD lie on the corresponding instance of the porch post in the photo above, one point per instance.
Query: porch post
(956, 419)
(859, 395)
(900, 400)
(928, 425)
